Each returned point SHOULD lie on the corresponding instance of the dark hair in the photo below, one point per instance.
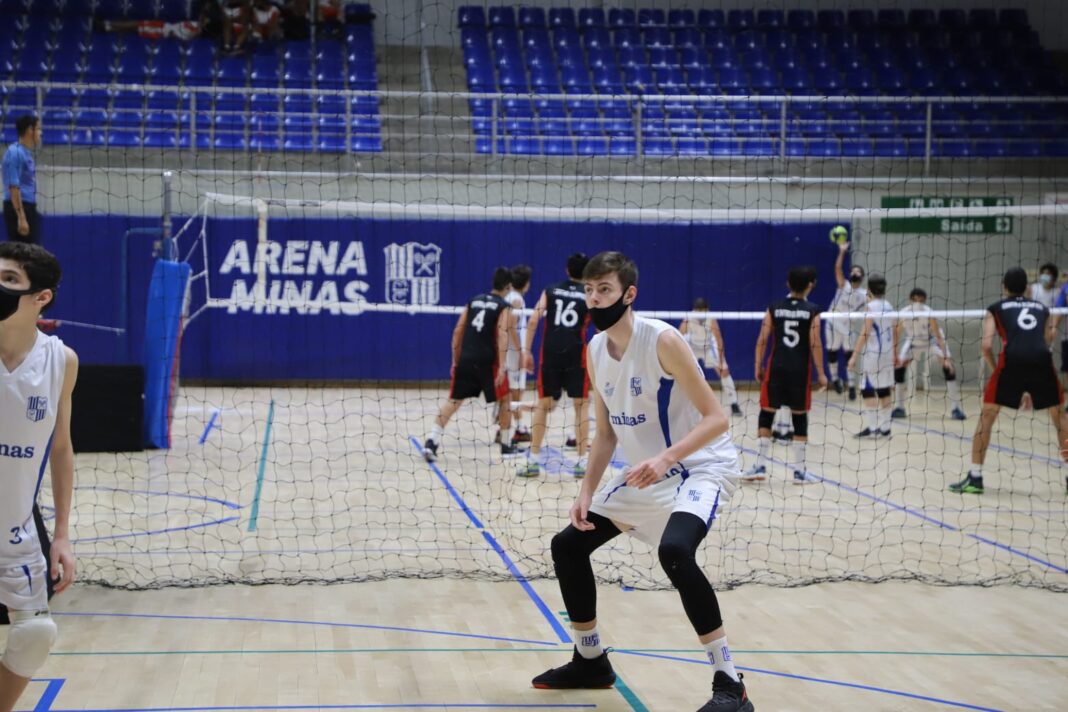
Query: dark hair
(917, 292)
(1015, 281)
(799, 277)
(521, 276)
(24, 123)
(40, 265)
(606, 263)
(1050, 267)
(857, 267)
(502, 277)
(700, 303)
(877, 285)
(576, 263)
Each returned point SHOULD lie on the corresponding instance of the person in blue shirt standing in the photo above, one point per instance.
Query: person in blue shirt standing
(21, 218)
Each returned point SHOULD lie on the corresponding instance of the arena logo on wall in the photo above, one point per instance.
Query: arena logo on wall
(313, 276)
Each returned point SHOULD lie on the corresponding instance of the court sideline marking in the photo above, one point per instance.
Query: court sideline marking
(261, 470)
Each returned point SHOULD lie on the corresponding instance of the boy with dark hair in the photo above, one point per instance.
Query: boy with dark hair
(517, 375)
(652, 400)
(1025, 365)
(920, 335)
(479, 344)
(21, 218)
(561, 363)
(842, 333)
(792, 326)
(706, 342)
(877, 346)
(37, 375)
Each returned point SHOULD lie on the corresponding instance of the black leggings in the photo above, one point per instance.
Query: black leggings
(46, 549)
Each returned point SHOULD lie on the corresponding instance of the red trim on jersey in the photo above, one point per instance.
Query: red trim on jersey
(764, 401)
(991, 391)
(541, 363)
(585, 371)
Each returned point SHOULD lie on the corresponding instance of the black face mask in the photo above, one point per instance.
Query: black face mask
(856, 278)
(9, 300)
(604, 318)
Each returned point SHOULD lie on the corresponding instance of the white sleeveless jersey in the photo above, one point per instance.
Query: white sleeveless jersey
(29, 399)
(520, 318)
(699, 334)
(917, 329)
(881, 339)
(647, 409)
(848, 299)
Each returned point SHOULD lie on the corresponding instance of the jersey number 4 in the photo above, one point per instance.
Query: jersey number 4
(479, 321)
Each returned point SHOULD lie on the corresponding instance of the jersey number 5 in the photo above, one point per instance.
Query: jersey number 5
(566, 315)
(790, 336)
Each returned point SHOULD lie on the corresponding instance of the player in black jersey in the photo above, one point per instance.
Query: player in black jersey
(562, 361)
(479, 344)
(1025, 365)
(793, 327)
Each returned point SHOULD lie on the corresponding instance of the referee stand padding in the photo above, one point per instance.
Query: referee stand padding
(164, 320)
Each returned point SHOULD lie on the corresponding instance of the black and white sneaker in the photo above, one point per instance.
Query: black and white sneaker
(728, 695)
(865, 433)
(579, 674)
(852, 393)
(837, 385)
(571, 444)
(511, 450)
(430, 450)
(736, 409)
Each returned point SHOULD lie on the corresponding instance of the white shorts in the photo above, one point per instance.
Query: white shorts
(517, 375)
(646, 511)
(878, 371)
(839, 336)
(909, 350)
(23, 587)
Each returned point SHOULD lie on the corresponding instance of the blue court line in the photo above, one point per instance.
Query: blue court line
(628, 695)
(157, 493)
(962, 438)
(288, 621)
(410, 706)
(55, 684)
(448, 486)
(130, 535)
(920, 515)
(557, 627)
(211, 424)
(261, 470)
(824, 681)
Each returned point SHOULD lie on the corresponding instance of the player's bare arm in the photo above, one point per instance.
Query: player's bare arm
(762, 345)
(839, 275)
(505, 334)
(858, 348)
(513, 334)
(713, 326)
(678, 362)
(458, 337)
(987, 348)
(62, 464)
(817, 351)
(532, 329)
(604, 444)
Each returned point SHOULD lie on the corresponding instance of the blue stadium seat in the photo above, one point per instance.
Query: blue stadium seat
(265, 70)
(265, 143)
(471, 16)
(1015, 18)
(591, 17)
(691, 146)
(621, 17)
(88, 137)
(622, 146)
(366, 143)
(830, 20)
(658, 147)
(525, 145)
(297, 141)
(681, 18)
(741, 19)
(768, 19)
(651, 17)
(953, 148)
(891, 148)
(1025, 148)
(561, 17)
(531, 17)
(860, 19)
(982, 17)
(229, 142)
(857, 148)
(558, 146)
(123, 139)
(501, 16)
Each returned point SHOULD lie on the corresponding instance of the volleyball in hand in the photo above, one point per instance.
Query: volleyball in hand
(839, 235)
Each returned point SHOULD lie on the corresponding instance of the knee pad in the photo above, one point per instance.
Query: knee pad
(882, 392)
(29, 641)
(765, 419)
(949, 373)
(899, 375)
(800, 424)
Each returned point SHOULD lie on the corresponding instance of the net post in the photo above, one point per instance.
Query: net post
(169, 251)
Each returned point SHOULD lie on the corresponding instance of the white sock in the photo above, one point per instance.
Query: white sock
(976, 471)
(899, 395)
(832, 362)
(953, 389)
(798, 464)
(720, 657)
(435, 433)
(884, 418)
(872, 415)
(506, 436)
(730, 393)
(762, 451)
(588, 643)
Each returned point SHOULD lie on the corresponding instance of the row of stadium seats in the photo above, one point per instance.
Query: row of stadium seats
(75, 54)
(738, 19)
(768, 147)
(169, 10)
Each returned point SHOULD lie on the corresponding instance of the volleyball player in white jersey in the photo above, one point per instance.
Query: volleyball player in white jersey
(652, 399)
(877, 346)
(706, 342)
(517, 375)
(842, 333)
(920, 335)
(37, 374)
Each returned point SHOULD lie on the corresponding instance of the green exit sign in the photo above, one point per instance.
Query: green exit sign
(947, 225)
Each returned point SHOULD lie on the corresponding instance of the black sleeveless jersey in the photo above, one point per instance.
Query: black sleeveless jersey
(791, 348)
(1021, 324)
(566, 319)
(480, 332)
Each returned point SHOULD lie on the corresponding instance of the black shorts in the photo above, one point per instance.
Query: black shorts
(1008, 384)
(46, 550)
(793, 390)
(1064, 356)
(562, 374)
(472, 378)
(11, 221)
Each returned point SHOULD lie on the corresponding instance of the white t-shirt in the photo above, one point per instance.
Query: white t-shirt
(29, 400)
(1040, 294)
(917, 329)
(647, 409)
